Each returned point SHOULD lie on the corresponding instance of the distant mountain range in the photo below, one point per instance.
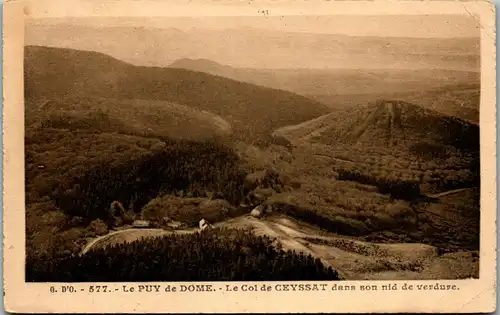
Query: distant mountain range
(252, 112)
(257, 49)
(322, 83)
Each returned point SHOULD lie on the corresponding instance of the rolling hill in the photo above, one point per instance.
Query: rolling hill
(392, 144)
(386, 124)
(252, 111)
(130, 117)
(457, 100)
(460, 101)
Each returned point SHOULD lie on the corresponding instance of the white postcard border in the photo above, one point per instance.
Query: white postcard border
(472, 295)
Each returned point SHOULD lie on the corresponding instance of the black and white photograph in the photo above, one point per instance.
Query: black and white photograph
(252, 148)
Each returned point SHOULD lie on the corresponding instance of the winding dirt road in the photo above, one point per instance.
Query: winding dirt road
(352, 259)
(127, 236)
(447, 193)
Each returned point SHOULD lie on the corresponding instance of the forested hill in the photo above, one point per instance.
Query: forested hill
(395, 143)
(387, 124)
(253, 111)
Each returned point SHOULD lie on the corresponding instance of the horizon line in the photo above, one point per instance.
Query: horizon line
(34, 21)
(475, 70)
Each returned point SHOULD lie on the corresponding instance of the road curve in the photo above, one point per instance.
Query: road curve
(352, 259)
(103, 238)
(448, 192)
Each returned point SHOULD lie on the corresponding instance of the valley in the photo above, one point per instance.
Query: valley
(385, 189)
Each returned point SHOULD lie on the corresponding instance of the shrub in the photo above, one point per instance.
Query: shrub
(98, 227)
(128, 217)
(384, 221)
(399, 209)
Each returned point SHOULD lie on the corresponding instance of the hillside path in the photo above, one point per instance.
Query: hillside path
(139, 233)
(351, 258)
(448, 192)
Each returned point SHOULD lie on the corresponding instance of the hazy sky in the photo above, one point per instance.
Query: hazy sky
(400, 25)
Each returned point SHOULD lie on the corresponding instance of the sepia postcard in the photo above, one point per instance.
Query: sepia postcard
(249, 156)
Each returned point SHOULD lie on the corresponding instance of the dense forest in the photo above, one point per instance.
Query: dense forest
(371, 172)
(84, 172)
(194, 167)
(73, 176)
(167, 166)
(395, 188)
(344, 216)
(213, 255)
(406, 176)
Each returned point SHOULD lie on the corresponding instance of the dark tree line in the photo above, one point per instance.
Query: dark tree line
(397, 189)
(429, 151)
(194, 167)
(213, 255)
(324, 220)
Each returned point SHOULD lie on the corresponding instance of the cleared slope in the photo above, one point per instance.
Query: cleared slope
(253, 111)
